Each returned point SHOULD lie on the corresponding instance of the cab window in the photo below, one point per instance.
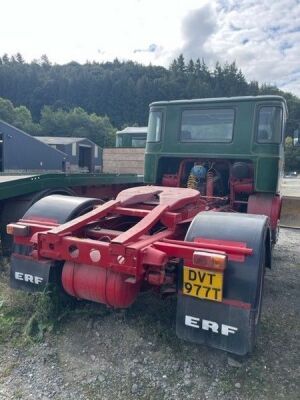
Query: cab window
(211, 125)
(154, 126)
(269, 127)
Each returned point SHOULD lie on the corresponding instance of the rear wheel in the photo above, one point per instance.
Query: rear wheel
(14, 209)
(55, 208)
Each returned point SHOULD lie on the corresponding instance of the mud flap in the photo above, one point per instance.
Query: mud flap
(218, 325)
(33, 276)
(230, 325)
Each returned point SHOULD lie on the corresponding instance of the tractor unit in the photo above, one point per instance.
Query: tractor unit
(202, 227)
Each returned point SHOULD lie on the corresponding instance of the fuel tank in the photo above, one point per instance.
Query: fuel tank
(99, 284)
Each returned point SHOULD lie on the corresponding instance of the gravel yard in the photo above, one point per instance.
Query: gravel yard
(96, 353)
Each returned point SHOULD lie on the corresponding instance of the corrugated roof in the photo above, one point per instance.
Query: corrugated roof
(134, 130)
(59, 139)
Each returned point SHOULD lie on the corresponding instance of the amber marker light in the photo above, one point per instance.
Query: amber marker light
(17, 230)
(210, 260)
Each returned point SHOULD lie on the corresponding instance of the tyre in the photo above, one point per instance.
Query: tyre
(55, 208)
(14, 209)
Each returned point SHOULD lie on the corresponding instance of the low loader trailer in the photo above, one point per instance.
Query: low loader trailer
(202, 228)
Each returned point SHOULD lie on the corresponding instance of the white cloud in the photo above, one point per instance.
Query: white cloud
(197, 26)
(262, 37)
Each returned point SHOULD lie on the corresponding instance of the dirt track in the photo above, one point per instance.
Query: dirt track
(100, 354)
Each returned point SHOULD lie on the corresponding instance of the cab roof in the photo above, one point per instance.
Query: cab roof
(221, 100)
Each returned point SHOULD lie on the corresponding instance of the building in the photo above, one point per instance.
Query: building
(83, 155)
(20, 152)
(23, 153)
(132, 136)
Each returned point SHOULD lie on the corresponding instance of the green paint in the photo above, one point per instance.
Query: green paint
(18, 185)
(250, 113)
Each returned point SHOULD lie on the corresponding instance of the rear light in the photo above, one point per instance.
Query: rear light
(208, 260)
(17, 230)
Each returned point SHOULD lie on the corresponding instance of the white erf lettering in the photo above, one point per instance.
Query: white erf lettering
(192, 321)
(207, 325)
(28, 278)
(210, 325)
(38, 279)
(226, 329)
(19, 276)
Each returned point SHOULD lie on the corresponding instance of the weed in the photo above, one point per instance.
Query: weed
(18, 394)
(7, 370)
(27, 316)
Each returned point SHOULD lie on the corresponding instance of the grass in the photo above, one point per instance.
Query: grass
(28, 316)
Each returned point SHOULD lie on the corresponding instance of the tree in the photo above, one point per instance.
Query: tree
(6, 110)
(23, 120)
(77, 122)
(45, 62)
(181, 64)
(18, 116)
(178, 65)
(123, 90)
(5, 59)
(22, 116)
(19, 58)
(190, 69)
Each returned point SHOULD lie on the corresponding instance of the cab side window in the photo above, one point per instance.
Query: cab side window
(154, 126)
(269, 128)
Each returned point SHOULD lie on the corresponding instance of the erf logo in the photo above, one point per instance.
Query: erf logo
(28, 278)
(207, 325)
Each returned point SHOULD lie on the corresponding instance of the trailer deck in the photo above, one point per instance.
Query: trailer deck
(19, 191)
(18, 185)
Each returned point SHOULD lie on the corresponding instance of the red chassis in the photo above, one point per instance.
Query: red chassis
(109, 251)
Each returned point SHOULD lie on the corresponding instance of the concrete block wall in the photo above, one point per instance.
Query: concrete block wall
(124, 161)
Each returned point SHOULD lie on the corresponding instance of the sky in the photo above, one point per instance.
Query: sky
(262, 36)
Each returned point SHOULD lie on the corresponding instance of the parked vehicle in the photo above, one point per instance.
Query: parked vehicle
(202, 229)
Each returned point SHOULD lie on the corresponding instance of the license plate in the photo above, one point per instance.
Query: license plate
(202, 283)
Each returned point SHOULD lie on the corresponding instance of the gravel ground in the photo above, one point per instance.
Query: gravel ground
(96, 353)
